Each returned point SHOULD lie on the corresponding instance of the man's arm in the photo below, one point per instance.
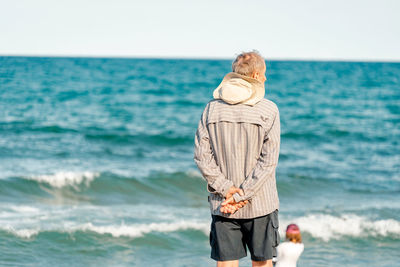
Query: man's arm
(205, 160)
(266, 163)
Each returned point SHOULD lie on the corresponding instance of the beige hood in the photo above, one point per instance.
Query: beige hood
(239, 89)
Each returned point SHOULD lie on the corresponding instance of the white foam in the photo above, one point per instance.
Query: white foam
(194, 173)
(24, 209)
(138, 230)
(133, 230)
(22, 233)
(62, 178)
(321, 226)
(327, 227)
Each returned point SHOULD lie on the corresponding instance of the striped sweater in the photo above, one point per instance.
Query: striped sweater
(238, 145)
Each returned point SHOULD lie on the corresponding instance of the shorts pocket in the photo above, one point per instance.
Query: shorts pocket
(275, 226)
(212, 233)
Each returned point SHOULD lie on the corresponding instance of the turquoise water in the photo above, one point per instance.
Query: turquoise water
(96, 160)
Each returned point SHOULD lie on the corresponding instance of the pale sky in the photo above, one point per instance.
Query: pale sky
(293, 29)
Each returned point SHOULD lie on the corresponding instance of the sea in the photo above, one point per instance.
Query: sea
(96, 160)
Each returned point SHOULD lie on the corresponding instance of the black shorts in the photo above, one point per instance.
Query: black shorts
(229, 237)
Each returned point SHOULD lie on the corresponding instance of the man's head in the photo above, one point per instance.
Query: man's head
(250, 64)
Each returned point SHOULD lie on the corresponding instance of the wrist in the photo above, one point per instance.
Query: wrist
(226, 188)
(237, 197)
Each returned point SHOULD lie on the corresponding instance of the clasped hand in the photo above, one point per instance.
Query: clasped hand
(230, 205)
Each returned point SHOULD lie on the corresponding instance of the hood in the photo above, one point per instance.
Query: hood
(239, 89)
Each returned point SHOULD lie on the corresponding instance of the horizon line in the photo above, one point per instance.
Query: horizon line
(355, 60)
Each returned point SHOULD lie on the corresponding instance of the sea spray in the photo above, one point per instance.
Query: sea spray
(66, 178)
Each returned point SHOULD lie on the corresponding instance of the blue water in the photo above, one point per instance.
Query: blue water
(96, 160)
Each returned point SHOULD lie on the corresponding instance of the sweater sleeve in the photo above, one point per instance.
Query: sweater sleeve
(266, 163)
(205, 160)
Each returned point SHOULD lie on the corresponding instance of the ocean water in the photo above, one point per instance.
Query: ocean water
(96, 161)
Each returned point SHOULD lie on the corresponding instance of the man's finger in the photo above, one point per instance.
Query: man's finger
(226, 209)
(229, 208)
(229, 200)
(241, 193)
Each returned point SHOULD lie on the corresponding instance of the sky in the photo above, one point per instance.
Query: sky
(367, 30)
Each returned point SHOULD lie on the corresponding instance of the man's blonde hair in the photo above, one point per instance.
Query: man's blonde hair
(248, 63)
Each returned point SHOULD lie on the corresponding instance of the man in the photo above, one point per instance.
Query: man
(236, 149)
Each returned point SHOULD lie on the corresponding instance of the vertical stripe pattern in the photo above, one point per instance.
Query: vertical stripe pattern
(239, 145)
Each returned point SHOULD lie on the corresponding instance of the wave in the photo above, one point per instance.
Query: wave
(329, 133)
(300, 135)
(68, 182)
(156, 139)
(291, 183)
(107, 188)
(321, 226)
(138, 230)
(328, 227)
(77, 180)
(21, 233)
(174, 186)
(68, 178)
(122, 230)
(115, 135)
(23, 209)
(28, 125)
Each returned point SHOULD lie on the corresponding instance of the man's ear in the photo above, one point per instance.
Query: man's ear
(255, 75)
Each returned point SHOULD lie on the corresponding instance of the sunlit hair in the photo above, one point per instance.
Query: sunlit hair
(293, 237)
(293, 233)
(247, 63)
